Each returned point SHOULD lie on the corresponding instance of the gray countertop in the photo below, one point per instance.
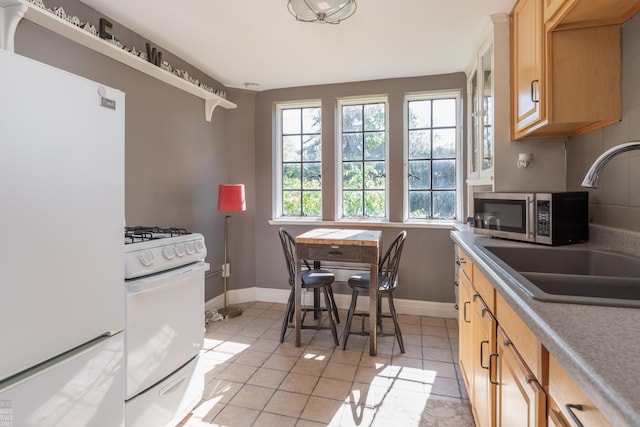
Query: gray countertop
(598, 346)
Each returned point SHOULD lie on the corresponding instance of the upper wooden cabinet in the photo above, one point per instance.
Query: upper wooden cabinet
(563, 82)
(526, 65)
(561, 14)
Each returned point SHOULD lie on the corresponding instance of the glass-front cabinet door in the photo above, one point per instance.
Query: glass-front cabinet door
(480, 93)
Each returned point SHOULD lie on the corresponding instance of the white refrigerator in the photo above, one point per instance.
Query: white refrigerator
(61, 248)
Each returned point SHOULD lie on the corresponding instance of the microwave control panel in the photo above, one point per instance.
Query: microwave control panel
(543, 217)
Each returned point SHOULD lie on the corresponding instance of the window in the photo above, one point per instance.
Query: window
(363, 158)
(299, 152)
(432, 139)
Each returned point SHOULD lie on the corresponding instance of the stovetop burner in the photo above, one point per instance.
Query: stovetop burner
(142, 234)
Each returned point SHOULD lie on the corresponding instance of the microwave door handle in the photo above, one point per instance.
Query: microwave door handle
(530, 219)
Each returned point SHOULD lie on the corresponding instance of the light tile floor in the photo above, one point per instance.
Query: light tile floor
(254, 380)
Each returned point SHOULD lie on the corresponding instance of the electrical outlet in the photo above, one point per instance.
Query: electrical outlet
(225, 270)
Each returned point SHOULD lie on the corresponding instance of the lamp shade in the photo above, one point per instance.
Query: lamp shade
(231, 198)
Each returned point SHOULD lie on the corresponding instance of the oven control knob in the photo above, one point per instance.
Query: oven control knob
(199, 246)
(180, 250)
(168, 252)
(190, 248)
(146, 257)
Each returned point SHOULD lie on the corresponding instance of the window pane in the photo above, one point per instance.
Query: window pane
(311, 120)
(301, 154)
(312, 147)
(312, 203)
(291, 148)
(444, 204)
(374, 203)
(444, 112)
(419, 144)
(352, 146)
(291, 121)
(291, 176)
(420, 175)
(420, 204)
(374, 175)
(311, 176)
(374, 146)
(364, 142)
(374, 117)
(352, 118)
(419, 114)
(444, 143)
(291, 203)
(431, 151)
(444, 174)
(352, 176)
(352, 203)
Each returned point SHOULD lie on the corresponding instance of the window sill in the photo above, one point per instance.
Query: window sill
(439, 224)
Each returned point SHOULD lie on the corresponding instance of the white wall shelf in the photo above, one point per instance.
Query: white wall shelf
(12, 11)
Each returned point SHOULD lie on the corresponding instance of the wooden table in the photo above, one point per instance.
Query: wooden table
(330, 244)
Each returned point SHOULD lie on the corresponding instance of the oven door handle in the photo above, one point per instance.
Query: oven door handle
(159, 281)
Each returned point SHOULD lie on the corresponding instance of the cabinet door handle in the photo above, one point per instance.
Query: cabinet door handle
(464, 311)
(482, 354)
(460, 261)
(493, 356)
(570, 407)
(335, 253)
(533, 82)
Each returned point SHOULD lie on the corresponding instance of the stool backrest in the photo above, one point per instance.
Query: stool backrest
(388, 266)
(289, 248)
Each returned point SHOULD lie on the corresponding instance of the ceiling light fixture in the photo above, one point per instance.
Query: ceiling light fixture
(323, 11)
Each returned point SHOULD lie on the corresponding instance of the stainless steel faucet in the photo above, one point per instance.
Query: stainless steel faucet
(593, 174)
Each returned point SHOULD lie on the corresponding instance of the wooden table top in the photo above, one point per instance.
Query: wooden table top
(337, 236)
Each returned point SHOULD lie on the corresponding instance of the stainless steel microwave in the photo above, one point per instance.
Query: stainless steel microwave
(548, 218)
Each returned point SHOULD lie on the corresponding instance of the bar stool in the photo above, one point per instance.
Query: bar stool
(387, 283)
(316, 279)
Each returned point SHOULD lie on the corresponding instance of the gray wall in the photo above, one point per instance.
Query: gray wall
(617, 202)
(426, 270)
(174, 158)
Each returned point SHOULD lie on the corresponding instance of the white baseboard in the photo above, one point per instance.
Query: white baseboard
(403, 306)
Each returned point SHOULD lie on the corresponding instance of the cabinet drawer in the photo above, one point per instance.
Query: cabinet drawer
(337, 253)
(485, 289)
(569, 396)
(523, 339)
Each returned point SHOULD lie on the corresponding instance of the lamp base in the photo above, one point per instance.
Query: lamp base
(230, 312)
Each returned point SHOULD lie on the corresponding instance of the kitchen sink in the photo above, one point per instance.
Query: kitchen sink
(581, 276)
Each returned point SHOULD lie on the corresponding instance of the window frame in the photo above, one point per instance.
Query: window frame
(278, 201)
(360, 100)
(459, 181)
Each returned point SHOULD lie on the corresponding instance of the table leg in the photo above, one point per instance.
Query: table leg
(373, 309)
(298, 301)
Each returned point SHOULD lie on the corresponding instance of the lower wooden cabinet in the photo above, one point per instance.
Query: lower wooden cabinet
(465, 328)
(521, 400)
(484, 352)
(570, 405)
(503, 365)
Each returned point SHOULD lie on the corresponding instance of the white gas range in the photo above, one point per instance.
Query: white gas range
(164, 277)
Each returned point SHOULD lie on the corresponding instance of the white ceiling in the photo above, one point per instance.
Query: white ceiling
(240, 41)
